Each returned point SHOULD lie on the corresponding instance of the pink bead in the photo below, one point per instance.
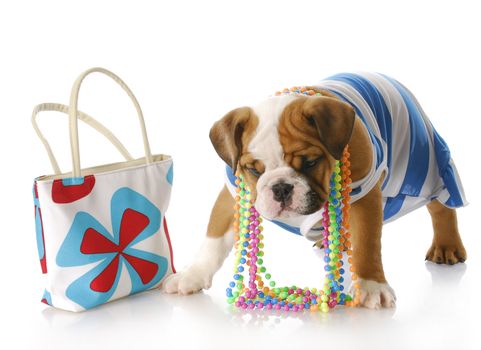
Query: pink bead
(256, 222)
(286, 308)
(269, 306)
(241, 299)
(251, 306)
(237, 303)
(305, 300)
(256, 241)
(332, 303)
(251, 227)
(290, 291)
(301, 307)
(255, 250)
(333, 295)
(260, 305)
(244, 306)
(252, 236)
(295, 308)
(257, 231)
(308, 292)
(277, 307)
(299, 291)
(254, 258)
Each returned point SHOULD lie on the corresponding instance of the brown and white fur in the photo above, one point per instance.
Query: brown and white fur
(271, 144)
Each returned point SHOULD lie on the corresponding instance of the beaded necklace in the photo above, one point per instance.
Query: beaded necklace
(249, 252)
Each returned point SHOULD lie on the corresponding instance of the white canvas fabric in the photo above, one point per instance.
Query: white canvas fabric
(101, 232)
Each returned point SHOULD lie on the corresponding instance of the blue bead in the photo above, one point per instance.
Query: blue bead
(247, 235)
(327, 268)
(242, 260)
(341, 287)
(341, 271)
(330, 276)
(327, 259)
(328, 250)
(341, 279)
(236, 276)
(274, 301)
(342, 295)
(307, 305)
(232, 284)
(243, 252)
(229, 290)
(282, 303)
(245, 244)
(290, 305)
(261, 295)
(249, 302)
(313, 301)
(240, 269)
(257, 302)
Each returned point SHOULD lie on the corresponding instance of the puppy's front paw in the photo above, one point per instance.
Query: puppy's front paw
(188, 281)
(375, 295)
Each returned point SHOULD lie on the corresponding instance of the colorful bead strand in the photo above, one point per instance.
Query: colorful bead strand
(248, 238)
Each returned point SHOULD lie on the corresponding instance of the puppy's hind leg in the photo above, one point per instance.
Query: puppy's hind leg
(447, 246)
(215, 248)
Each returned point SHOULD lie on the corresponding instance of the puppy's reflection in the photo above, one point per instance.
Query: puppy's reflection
(445, 276)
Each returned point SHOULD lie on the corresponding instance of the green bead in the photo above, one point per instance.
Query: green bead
(348, 297)
(263, 269)
(242, 193)
(271, 283)
(283, 295)
(260, 253)
(268, 276)
(299, 300)
(230, 300)
(324, 298)
(291, 297)
(239, 285)
(260, 261)
(277, 291)
(285, 289)
(242, 184)
(235, 294)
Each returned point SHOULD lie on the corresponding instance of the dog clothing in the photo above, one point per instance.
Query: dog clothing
(415, 158)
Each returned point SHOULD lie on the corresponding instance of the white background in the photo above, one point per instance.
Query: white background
(189, 63)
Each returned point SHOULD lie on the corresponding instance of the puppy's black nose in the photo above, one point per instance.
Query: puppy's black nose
(282, 192)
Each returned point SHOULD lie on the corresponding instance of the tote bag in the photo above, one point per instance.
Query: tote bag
(101, 232)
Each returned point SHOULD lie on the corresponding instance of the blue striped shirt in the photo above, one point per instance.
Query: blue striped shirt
(415, 158)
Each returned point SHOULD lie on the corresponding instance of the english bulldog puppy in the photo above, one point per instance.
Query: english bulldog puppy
(286, 147)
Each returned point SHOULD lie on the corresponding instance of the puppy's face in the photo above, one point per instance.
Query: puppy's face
(286, 148)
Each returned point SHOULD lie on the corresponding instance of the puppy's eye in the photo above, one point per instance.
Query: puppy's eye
(308, 164)
(254, 172)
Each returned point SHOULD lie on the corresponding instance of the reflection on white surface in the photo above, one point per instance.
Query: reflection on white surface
(429, 315)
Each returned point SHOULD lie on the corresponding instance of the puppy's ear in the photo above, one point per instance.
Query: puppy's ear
(226, 135)
(334, 121)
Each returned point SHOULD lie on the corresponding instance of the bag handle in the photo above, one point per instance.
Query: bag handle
(73, 112)
(57, 107)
